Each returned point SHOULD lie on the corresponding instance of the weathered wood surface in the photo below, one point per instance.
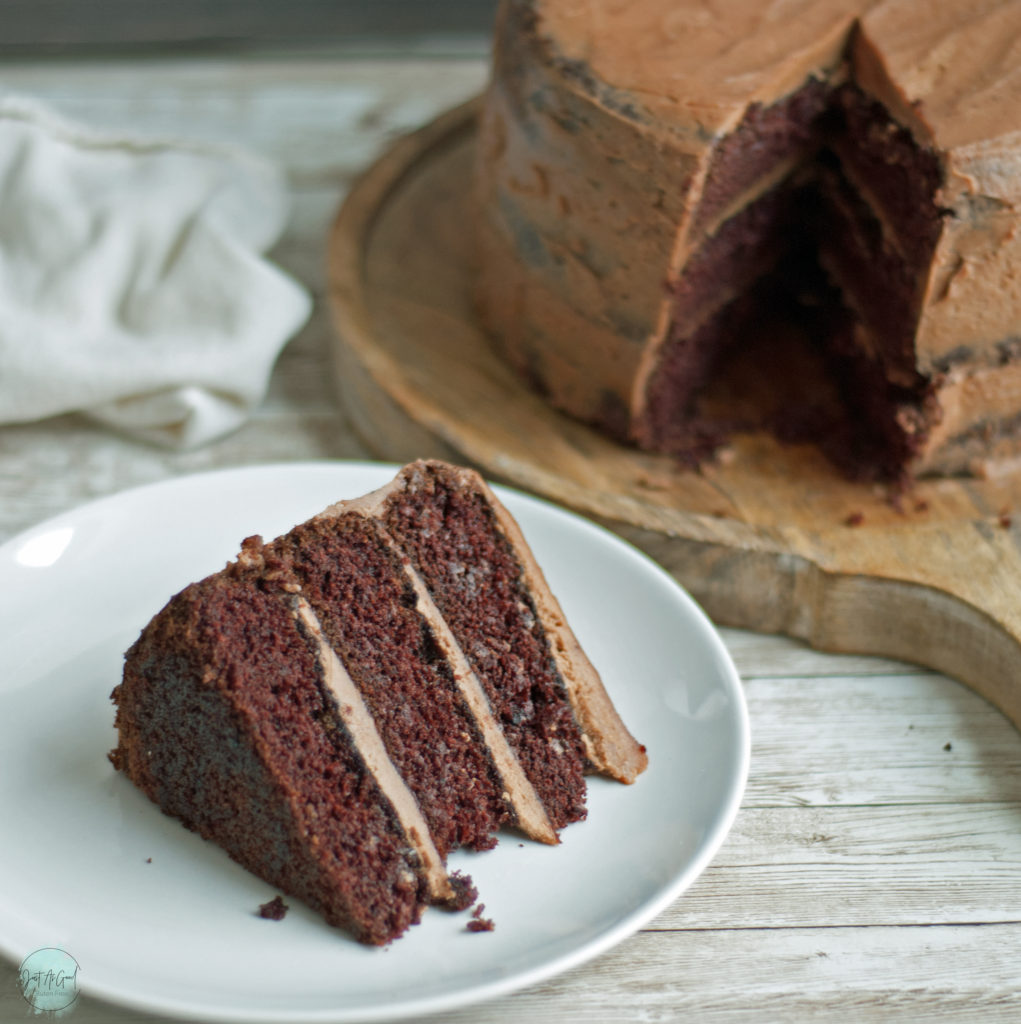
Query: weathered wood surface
(872, 874)
(773, 538)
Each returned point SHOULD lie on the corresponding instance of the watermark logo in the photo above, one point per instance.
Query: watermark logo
(49, 979)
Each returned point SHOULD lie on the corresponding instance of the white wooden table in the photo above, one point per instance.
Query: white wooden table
(874, 871)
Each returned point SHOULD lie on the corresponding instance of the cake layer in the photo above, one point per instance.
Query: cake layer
(875, 280)
(783, 135)
(685, 367)
(900, 177)
(745, 247)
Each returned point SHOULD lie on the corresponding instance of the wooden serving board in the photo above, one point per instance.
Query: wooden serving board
(772, 539)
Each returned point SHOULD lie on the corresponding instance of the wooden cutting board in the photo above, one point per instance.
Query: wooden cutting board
(771, 539)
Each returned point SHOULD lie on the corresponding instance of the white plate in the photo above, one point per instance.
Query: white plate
(179, 935)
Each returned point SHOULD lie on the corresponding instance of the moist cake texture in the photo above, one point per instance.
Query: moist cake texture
(653, 175)
(387, 682)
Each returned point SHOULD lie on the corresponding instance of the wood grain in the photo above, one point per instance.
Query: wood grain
(764, 540)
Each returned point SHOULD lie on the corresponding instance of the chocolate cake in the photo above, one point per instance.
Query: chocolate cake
(658, 179)
(341, 707)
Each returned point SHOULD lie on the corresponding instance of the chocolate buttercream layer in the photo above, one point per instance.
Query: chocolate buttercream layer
(617, 138)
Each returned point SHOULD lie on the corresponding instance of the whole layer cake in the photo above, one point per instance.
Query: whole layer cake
(659, 180)
(343, 706)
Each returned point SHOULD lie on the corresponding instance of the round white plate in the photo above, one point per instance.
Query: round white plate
(179, 935)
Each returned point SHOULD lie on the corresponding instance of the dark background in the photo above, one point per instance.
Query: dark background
(95, 27)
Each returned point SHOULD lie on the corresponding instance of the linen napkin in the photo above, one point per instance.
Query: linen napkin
(133, 285)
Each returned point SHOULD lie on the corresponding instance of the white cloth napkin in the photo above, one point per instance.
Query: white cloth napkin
(132, 281)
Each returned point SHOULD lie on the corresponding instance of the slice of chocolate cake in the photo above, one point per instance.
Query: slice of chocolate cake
(340, 708)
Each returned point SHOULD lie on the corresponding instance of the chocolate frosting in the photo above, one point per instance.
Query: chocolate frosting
(696, 66)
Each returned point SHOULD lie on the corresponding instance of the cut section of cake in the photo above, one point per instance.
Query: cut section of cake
(373, 611)
(229, 718)
(483, 577)
(652, 175)
(387, 682)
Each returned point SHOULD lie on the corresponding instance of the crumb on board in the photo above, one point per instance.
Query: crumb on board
(652, 482)
(274, 910)
(855, 519)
